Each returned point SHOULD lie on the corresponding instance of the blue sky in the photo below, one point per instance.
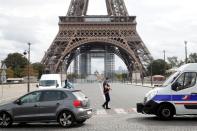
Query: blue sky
(162, 25)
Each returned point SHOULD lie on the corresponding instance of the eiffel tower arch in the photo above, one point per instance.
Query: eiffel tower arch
(114, 33)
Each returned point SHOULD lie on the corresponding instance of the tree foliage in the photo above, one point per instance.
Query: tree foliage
(10, 73)
(174, 62)
(158, 67)
(16, 60)
(32, 72)
(193, 58)
(39, 68)
(18, 66)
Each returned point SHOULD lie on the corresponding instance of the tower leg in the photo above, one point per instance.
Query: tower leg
(109, 67)
(83, 65)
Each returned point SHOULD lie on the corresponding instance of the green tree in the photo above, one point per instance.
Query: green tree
(32, 72)
(17, 63)
(14, 60)
(18, 72)
(158, 67)
(174, 62)
(193, 58)
(10, 72)
(39, 68)
(118, 77)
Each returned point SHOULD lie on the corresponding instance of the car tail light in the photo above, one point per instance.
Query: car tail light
(77, 103)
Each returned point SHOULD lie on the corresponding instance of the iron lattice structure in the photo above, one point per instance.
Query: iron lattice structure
(79, 33)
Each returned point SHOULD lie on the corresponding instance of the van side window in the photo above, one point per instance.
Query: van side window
(186, 80)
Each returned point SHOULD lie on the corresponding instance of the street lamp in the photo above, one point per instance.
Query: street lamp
(164, 55)
(28, 70)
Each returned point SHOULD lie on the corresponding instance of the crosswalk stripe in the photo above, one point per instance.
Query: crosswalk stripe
(120, 111)
(135, 110)
(101, 112)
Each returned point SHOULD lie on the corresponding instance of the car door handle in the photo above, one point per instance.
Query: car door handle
(58, 104)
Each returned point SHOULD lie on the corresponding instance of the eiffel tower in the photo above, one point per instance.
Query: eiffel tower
(97, 36)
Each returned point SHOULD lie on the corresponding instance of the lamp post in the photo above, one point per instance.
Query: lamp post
(28, 82)
(28, 67)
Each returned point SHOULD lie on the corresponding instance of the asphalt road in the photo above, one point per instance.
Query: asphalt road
(122, 115)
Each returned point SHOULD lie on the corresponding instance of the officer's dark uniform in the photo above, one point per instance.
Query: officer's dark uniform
(107, 96)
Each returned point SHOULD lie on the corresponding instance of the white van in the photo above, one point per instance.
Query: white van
(177, 96)
(49, 81)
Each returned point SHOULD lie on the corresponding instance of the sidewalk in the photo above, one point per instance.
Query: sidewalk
(13, 91)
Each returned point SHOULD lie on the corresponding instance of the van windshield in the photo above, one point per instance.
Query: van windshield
(171, 78)
(48, 83)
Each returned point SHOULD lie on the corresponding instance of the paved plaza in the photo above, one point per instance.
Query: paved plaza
(121, 117)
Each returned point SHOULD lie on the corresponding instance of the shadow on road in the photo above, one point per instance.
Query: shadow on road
(42, 126)
(155, 121)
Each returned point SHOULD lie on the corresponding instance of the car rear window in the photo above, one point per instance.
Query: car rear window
(79, 94)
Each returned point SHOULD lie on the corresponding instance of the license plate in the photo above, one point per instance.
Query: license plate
(89, 112)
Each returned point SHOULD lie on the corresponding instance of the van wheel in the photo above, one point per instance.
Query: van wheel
(165, 112)
(66, 119)
(5, 120)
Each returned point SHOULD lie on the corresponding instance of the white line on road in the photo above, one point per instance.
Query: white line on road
(101, 112)
(135, 110)
(120, 111)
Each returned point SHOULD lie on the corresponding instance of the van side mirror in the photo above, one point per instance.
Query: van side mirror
(57, 85)
(18, 102)
(37, 85)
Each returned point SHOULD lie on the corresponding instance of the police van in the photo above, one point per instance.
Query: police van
(177, 95)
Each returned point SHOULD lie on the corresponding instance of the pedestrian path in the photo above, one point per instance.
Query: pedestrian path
(114, 111)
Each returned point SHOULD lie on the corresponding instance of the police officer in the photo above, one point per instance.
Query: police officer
(106, 89)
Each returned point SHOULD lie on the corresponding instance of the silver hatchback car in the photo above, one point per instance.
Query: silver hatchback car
(55, 105)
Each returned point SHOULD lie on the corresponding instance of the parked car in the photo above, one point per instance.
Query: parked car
(177, 96)
(55, 105)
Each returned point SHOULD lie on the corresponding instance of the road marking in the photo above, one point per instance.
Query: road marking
(101, 112)
(135, 110)
(120, 111)
(101, 88)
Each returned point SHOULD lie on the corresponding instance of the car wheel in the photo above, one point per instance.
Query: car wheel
(81, 121)
(5, 120)
(165, 112)
(66, 119)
